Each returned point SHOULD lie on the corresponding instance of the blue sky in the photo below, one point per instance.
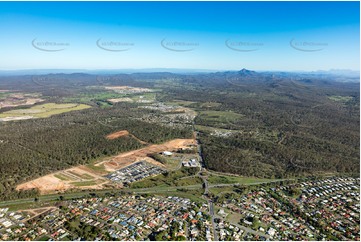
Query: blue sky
(288, 36)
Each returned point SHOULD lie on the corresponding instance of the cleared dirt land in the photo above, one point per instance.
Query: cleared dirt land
(122, 133)
(124, 159)
(32, 213)
(117, 134)
(128, 89)
(76, 177)
(91, 176)
(118, 100)
(17, 99)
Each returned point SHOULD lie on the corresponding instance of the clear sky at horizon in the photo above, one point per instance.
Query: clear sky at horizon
(289, 36)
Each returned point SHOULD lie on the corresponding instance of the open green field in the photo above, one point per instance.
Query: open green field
(86, 176)
(83, 176)
(167, 179)
(217, 190)
(99, 169)
(213, 129)
(84, 183)
(342, 99)
(220, 116)
(189, 181)
(62, 177)
(144, 97)
(45, 200)
(180, 103)
(44, 110)
(3, 94)
(101, 98)
(209, 105)
(87, 97)
(172, 163)
(28, 205)
(215, 179)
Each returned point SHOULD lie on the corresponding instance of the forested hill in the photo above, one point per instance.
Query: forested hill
(288, 125)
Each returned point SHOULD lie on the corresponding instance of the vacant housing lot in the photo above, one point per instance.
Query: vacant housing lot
(76, 177)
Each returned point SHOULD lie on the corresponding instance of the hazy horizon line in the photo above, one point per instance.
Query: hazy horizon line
(175, 69)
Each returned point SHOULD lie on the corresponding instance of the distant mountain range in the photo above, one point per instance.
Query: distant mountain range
(331, 75)
(101, 71)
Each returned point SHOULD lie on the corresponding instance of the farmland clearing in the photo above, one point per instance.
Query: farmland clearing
(41, 111)
(128, 89)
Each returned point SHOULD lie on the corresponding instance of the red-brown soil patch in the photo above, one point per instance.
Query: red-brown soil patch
(117, 134)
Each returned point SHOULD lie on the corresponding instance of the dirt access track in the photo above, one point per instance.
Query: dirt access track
(85, 177)
(117, 134)
(122, 133)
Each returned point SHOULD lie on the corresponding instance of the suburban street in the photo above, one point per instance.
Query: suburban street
(211, 211)
(205, 183)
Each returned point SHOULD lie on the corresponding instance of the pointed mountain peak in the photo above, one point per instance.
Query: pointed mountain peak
(246, 72)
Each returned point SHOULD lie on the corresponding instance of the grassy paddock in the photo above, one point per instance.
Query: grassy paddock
(342, 99)
(62, 177)
(223, 179)
(44, 110)
(84, 183)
